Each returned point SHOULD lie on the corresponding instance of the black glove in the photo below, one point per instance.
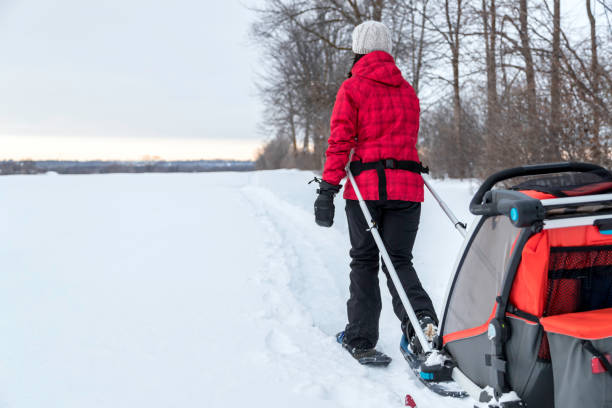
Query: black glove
(324, 204)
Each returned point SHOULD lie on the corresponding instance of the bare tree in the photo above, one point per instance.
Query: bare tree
(597, 151)
(453, 38)
(450, 28)
(551, 144)
(525, 50)
(489, 28)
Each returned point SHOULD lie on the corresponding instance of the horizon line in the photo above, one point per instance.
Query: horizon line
(128, 149)
(143, 159)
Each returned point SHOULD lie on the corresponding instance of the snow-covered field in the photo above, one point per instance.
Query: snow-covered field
(193, 290)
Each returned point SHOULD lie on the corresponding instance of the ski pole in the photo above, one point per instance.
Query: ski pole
(479, 394)
(385, 255)
(460, 226)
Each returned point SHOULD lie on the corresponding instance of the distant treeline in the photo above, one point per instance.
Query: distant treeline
(104, 167)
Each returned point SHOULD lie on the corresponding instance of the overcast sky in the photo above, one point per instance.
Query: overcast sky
(127, 78)
(124, 79)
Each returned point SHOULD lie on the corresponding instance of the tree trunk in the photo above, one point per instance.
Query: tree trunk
(459, 160)
(292, 129)
(306, 138)
(532, 117)
(377, 9)
(457, 115)
(555, 87)
(419, 59)
(596, 148)
(489, 32)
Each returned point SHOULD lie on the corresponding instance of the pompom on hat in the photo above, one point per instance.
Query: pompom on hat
(371, 36)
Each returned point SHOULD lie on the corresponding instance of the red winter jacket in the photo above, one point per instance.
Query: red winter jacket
(377, 113)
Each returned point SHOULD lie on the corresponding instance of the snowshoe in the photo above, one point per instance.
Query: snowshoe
(363, 354)
(433, 370)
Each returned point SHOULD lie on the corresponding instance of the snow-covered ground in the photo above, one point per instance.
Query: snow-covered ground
(193, 290)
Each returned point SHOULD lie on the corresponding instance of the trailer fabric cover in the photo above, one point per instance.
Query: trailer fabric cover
(569, 184)
(591, 325)
(575, 382)
(528, 375)
(479, 278)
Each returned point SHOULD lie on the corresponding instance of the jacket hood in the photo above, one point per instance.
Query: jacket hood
(380, 67)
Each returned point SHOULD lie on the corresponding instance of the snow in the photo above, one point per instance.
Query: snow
(509, 397)
(435, 358)
(184, 290)
(504, 398)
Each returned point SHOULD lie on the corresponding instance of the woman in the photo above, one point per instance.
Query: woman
(377, 114)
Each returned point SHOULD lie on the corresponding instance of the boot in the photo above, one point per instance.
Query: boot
(430, 329)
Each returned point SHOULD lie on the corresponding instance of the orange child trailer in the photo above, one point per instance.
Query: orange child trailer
(529, 305)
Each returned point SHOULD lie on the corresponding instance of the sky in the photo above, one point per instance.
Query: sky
(124, 79)
(128, 79)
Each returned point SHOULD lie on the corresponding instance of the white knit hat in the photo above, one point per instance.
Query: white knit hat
(371, 36)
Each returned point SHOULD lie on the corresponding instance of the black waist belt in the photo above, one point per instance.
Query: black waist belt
(357, 167)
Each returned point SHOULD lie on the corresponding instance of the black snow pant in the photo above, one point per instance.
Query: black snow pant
(397, 222)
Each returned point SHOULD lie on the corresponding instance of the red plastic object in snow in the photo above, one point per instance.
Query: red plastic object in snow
(410, 402)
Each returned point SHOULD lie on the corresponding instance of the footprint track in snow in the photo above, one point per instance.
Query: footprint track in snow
(311, 254)
(306, 288)
(280, 343)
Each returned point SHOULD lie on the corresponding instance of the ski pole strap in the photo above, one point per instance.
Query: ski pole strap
(357, 167)
(602, 358)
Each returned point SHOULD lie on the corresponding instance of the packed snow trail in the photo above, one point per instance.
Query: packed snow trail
(208, 290)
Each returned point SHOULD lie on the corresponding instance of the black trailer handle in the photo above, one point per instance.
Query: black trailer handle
(476, 205)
